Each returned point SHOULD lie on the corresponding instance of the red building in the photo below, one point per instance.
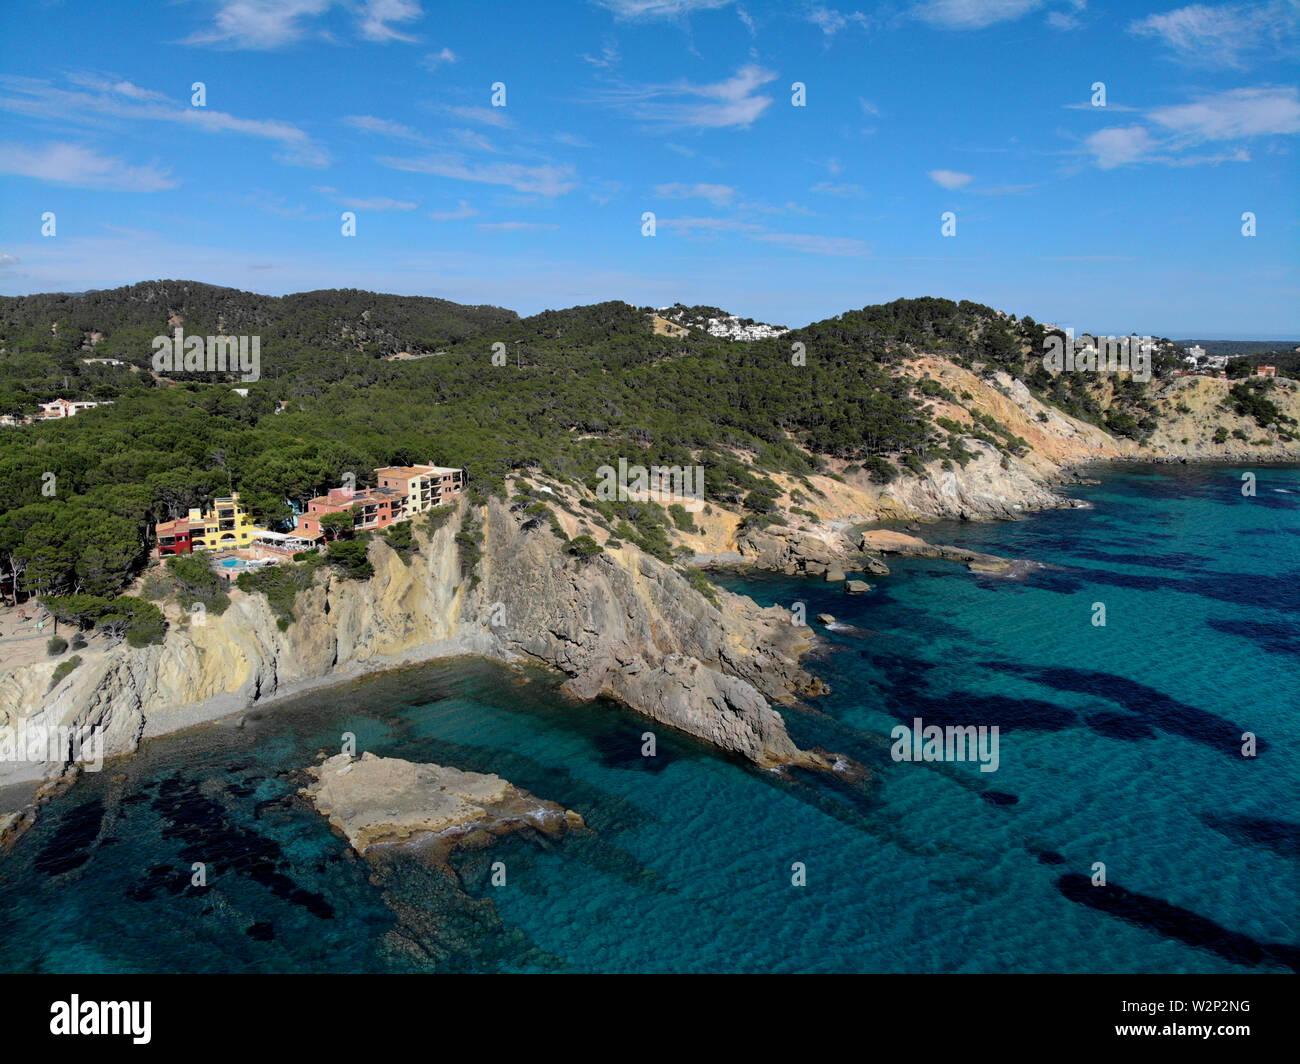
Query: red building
(371, 508)
(174, 537)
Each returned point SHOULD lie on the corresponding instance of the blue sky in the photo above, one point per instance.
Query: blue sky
(1114, 219)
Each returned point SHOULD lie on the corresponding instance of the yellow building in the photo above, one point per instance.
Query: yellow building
(226, 525)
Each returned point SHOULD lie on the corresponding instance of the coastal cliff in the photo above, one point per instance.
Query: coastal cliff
(621, 624)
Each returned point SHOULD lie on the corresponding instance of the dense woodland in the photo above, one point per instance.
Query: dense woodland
(578, 389)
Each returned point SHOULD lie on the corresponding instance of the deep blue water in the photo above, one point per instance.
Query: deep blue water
(1118, 744)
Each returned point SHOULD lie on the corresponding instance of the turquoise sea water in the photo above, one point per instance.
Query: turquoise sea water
(1118, 744)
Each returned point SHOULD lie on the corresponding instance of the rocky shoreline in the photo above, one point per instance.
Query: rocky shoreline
(622, 624)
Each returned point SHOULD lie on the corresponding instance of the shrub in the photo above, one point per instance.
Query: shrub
(681, 518)
(55, 645)
(584, 547)
(1220, 434)
(281, 584)
(469, 550)
(702, 584)
(402, 540)
(192, 580)
(351, 557)
(62, 670)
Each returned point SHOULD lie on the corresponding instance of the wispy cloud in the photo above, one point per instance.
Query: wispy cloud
(1237, 114)
(837, 246)
(375, 16)
(382, 126)
(124, 100)
(264, 25)
(734, 102)
(545, 180)
(71, 164)
(712, 225)
(649, 9)
(972, 14)
(831, 22)
(434, 60)
(950, 179)
(608, 58)
(377, 203)
(463, 210)
(514, 227)
(489, 116)
(842, 191)
(1225, 36)
(718, 195)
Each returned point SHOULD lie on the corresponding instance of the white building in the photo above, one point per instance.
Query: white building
(61, 408)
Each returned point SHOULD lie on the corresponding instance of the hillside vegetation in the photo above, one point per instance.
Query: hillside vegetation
(569, 391)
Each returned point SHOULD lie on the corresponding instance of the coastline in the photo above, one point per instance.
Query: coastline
(223, 707)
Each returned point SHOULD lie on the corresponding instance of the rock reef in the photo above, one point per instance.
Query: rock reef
(385, 801)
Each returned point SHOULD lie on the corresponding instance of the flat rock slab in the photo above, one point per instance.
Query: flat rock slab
(375, 801)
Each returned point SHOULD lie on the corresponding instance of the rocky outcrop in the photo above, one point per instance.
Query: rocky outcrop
(889, 542)
(385, 801)
(621, 624)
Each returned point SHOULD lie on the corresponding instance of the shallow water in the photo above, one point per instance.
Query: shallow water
(1118, 744)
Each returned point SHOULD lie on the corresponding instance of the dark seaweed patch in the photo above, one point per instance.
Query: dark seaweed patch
(210, 837)
(70, 847)
(1173, 921)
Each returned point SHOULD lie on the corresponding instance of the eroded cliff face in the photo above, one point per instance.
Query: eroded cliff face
(621, 624)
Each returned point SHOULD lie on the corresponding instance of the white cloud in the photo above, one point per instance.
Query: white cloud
(1118, 145)
(546, 180)
(489, 116)
(1238, 114)
(514, 227)
(382, 126)
(1227, 35)
(608, 57)
(71, 164)
(122, 99)
(718, 195)
(830, 21)
(375, 16)
(259, 24)
(732, 102)
(463, 210)
(263, 25)
(378, 203)
(972, 14)
(714, 225)
(436, 59)
(838, 246)
(843, 191)
(950, 179)
(638, 9)
(1235, 114)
